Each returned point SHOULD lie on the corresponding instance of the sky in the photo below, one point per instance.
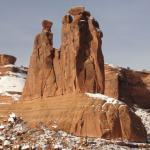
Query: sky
(125, 25)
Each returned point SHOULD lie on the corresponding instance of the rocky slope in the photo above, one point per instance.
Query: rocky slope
(15, 134)
(82, 115)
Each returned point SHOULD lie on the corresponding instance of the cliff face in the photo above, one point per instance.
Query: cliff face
(132, 87)
(81, 55)
(77, 67)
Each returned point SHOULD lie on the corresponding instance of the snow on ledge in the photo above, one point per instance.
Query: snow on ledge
(9, 65)
(127, 68)
(100, 96)
(113, 66)
(12, 82)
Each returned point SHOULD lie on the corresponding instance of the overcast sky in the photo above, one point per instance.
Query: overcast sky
(125, 25)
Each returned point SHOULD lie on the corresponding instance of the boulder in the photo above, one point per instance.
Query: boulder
(7, 59)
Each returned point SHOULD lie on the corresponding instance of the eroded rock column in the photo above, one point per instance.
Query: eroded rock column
(81, 55)
(41, 79)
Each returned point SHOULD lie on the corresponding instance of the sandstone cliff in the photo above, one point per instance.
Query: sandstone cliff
(132, 87)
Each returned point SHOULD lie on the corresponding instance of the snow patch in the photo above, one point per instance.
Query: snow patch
(44, 138)
(12, 117)
(12, 82)
(113, 66)
(144, 114)
(2, 127)
(105, 98)
(6, 143)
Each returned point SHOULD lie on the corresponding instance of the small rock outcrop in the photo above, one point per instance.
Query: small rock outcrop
(7, 59)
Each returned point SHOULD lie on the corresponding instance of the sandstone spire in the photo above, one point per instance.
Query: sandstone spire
(81, 55)
(41, 81)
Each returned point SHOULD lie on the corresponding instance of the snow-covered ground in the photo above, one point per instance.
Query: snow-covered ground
(14, 133)
(144, 114)
(11, 84)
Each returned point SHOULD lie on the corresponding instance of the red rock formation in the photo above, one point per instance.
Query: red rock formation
(7, 59)
(81, 55)
(132, 87)
(41, 79)
(77, 67)
(82, 116)
(111, 81)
